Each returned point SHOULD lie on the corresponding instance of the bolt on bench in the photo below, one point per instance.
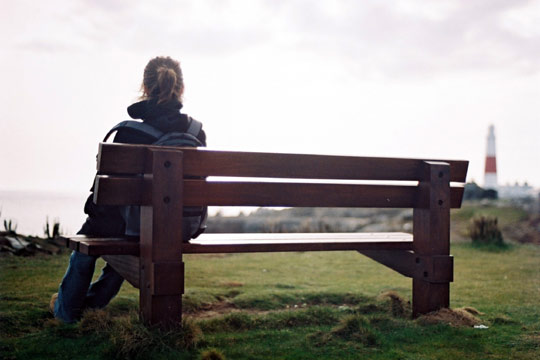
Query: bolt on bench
(156, 178)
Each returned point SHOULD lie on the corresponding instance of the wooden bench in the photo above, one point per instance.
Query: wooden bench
(156, 179)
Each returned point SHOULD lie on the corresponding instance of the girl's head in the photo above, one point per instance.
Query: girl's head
(163, 80)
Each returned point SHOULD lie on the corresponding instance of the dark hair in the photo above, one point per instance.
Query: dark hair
(163, 80)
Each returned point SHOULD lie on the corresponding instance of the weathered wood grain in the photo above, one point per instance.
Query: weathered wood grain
(137, 191)
(134, 159)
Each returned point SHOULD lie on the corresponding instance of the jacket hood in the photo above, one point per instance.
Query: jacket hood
(165, 116)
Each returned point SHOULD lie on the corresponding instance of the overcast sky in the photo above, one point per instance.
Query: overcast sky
(368, 78)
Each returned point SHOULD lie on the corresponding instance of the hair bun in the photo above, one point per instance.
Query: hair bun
(163, 80)
(166, 80)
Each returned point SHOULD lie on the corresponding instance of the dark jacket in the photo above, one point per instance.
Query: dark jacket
(105, 220)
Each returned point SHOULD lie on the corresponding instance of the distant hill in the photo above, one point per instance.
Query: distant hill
(518, 222)
(315, 220)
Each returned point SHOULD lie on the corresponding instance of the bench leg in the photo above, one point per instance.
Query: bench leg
(161, 266)
(428, 297)
(431, 230)
(162, 310)
(161, 299)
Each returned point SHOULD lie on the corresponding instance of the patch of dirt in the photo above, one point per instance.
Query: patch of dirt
(532, 339)
(215, 309)
(226, 307)
(222, 308)
(461, 317)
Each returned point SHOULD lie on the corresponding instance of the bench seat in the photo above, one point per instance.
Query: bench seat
(258, 242)
(97, 246)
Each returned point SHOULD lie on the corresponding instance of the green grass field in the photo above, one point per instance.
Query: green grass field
(287, 306)
(312, 305)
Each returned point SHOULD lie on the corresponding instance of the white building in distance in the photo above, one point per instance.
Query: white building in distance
(508, 191)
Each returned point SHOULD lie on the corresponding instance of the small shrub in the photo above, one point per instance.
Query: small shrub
(10, 226)
(56, 232)
(484, 230)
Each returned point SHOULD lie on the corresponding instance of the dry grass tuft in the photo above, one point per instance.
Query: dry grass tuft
(399, 306)
(188, 336)
(98, 321)
(131, 339)
(453, 317)
(212, 354)
(355, 328)
(471, 310)
(503, 320)
(52, 323)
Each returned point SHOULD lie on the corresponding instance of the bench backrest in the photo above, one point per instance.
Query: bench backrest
(121, 181)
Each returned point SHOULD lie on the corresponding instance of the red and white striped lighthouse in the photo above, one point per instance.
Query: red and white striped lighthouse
(490, 171)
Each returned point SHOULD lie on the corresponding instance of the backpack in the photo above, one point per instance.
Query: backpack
(194, 218)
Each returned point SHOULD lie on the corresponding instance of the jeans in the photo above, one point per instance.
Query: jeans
(77, 294)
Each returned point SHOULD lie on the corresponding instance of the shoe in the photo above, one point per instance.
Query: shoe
(53, 301)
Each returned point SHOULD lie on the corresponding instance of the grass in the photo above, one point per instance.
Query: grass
(288, 305)
(507, 215)
(327, 305)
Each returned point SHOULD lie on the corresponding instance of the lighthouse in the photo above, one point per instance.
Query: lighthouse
(490, 171)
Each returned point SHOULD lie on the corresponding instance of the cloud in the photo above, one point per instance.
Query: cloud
(401, 41)
(391, 39)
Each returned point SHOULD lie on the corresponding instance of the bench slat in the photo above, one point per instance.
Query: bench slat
(127, 266)
(201, 193)
(96, 246)
(134, 159)
(297, 194)
(136, 191)
(258, 242)
(300, 166)
(241, 243)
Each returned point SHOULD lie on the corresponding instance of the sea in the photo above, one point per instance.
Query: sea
(30, 211)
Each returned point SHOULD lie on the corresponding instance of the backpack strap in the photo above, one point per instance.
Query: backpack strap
(136, 125)
(194, 127)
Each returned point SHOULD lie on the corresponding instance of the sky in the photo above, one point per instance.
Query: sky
(408, 78)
